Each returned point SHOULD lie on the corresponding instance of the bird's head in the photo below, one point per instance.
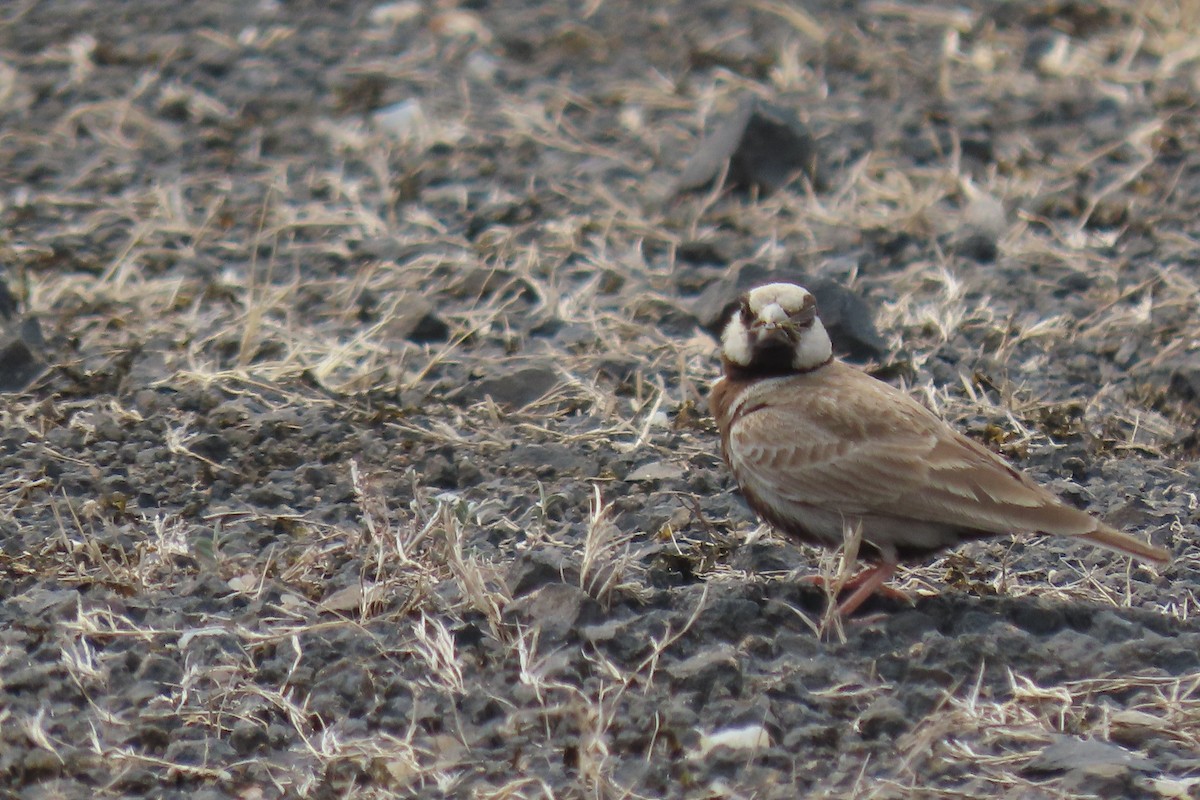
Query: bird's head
(774, 331)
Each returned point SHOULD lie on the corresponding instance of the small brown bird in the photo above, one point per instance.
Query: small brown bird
(820, 448)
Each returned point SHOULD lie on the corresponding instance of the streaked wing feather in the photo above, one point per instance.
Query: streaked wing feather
(867, 450)
(819, 467)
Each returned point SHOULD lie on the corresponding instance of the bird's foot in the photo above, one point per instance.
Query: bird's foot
(857, 589)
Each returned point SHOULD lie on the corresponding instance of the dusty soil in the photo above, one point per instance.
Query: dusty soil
(370, 457)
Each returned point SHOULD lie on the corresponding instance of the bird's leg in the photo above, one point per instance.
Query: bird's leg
(865, 584)
(869, 581)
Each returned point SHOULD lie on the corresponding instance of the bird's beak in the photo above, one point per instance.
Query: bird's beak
(775, 326)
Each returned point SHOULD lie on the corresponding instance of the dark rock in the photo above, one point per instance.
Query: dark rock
(516, 388)
(536, 568)
(8, 302)
(983, 222)
(270, 495)
(47, 602)
(440, 471)
(704, 251)
(716, 667)
(160, 670)
(886, 717)
(20, 361)
(557, 611)
(417, 321)
(1040, 619)
(764, 556)
(765, 145)
(732, 618)
(200, 752)
(548, 460)
(1185, 381)
(212, 446)
(976, 246)
(849, 321)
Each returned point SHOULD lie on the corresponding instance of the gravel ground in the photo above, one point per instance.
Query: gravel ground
(367, 453)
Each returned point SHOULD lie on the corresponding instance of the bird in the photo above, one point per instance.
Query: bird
(820, 449)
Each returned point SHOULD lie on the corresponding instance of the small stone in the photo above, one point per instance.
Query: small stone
(655, 471)
(884, 718)
(557, 610)
(536, 568)
(713, 668)
(766, 146)
(984, 213)
(1185, 381)
(19, 366)
(748, 737)
(389, 14)
(1069, 753)
(404, 120)
(21, 344)
(417, 321)
(515, 389)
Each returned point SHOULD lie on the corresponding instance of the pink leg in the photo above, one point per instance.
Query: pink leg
(865, 583)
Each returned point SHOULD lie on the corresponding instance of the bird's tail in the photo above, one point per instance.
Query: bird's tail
(1112, 539)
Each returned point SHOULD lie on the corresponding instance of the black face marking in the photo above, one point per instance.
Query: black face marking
(772, 357)
(804, 317)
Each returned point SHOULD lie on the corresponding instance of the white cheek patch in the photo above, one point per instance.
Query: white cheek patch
(735, 343)
(814, 348)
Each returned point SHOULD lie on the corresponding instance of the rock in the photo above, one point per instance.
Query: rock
(885, 717)
(849, 321)
(556, 611)
(763, 557)
(1068, 753)
(417, 321)
(19, 365)
(8, 302)
(536, 568)
(515, 389)
(983, 222)
(1185, 381)
(404, 120)
(21, 345)
(482, 283)
(710, 669)
(655, 471)
(765, 145)
(747, 737)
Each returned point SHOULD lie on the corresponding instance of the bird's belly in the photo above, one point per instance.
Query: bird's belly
(884, 537)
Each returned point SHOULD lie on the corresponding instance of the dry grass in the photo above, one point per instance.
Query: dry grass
(257, 281)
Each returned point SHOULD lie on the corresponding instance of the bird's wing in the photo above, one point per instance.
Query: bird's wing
(858, 446)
